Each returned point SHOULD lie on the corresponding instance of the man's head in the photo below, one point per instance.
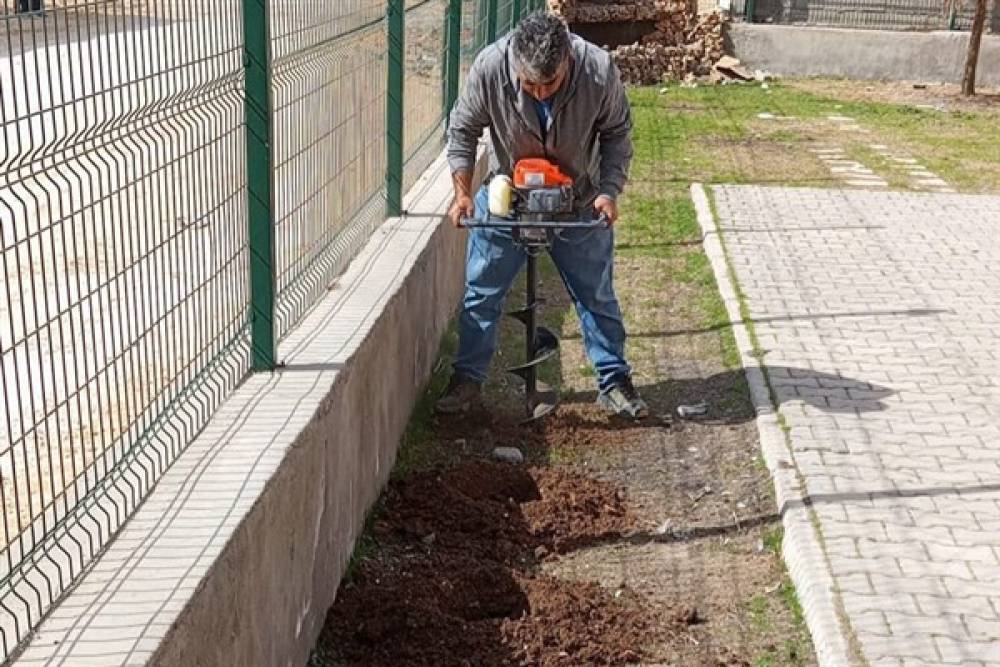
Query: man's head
(540, 46)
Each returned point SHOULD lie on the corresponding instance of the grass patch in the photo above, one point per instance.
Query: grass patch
(664, 226)
(760, 610)
(792, 649)
(417, 449)
(714, 135)
(365, 548)
(772, 540)
(881, 165)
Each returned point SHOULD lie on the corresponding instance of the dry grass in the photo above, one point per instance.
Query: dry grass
(935, 95)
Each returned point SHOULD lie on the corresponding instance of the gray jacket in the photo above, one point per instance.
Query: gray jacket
(591, 133)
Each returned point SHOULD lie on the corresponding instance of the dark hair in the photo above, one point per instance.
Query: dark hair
(539, 45)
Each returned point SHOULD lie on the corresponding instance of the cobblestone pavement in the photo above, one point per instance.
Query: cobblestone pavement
(879, 317)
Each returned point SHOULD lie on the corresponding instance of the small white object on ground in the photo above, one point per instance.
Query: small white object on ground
(508, 455)
(697, 410)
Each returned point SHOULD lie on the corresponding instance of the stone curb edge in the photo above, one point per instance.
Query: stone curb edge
(802, 547)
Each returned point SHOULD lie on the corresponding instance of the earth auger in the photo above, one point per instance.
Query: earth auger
(534, 206)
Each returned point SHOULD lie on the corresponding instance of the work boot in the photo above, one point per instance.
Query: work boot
(623, 399)
(461, 394)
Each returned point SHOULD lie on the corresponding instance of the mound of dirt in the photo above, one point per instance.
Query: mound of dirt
(455, 584)
(455, 610)
(588, 626)
(502, 511)
(573, 511)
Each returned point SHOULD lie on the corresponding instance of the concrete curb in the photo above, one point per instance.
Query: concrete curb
(802, 547)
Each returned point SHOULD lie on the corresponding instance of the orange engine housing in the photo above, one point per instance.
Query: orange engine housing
(539, 173)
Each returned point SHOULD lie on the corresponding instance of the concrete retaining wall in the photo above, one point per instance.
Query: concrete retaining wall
(934, 57)
(236, 556)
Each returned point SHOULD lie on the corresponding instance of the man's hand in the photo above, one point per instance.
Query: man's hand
(607, 206)
(462, 206)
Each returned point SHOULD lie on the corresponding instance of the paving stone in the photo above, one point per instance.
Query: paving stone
(982, 629)
(908, 646)
(892, 586)
(902, 624)
(962, 652)
(938, 604)
(891, 297)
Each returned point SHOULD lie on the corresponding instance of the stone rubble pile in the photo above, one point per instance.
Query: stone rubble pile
(683, 46)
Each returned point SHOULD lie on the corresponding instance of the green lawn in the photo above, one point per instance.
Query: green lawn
(714, 135)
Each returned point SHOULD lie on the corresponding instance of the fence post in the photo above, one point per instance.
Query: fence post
(394, 107)
(750, 10)
(260, 193)
(454, 60)
(515, 13)
(491, 21)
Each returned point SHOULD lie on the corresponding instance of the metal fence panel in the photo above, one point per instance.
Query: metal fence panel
(425, 77)
(329, 150)
(873, 14)
(123, 319)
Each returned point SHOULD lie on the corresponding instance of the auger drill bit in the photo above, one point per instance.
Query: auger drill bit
(541, 344)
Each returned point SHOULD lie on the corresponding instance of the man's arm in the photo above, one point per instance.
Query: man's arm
(465, 126)
(615, 137)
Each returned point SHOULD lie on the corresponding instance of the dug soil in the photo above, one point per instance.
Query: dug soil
(457, 581)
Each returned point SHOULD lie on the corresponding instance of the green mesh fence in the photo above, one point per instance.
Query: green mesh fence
(329, 96)
(903, 15)
(123, 317)
(179, 183)
(425, 82)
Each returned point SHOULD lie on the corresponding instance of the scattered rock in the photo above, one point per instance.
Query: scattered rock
(508, 455)
(696, 410)
(686, 616)
(664, 528)
(731, 68)
(701, 493)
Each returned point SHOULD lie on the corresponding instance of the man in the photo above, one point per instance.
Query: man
(543, 93)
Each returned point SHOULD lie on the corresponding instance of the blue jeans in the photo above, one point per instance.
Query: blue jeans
(585, 260)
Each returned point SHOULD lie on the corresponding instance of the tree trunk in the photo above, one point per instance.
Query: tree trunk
(975, 40)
